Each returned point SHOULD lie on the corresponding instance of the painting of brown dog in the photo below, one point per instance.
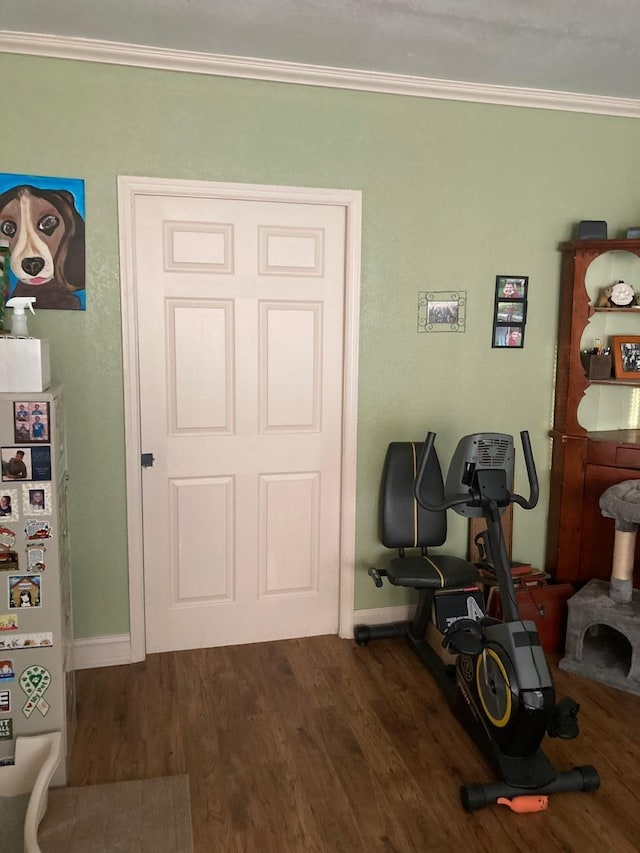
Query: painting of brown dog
(42, 219)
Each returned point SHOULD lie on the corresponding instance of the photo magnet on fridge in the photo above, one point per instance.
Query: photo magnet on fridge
(41, 462)
(26, 463)
(25, 592)
(7, 671)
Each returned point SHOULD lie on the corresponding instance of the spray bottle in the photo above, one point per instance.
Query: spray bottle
(19, 319)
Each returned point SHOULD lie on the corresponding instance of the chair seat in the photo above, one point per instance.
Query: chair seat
(436, 572)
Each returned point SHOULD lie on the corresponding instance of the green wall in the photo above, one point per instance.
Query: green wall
(453, 194)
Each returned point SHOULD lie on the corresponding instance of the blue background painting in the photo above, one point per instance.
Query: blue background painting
(73, 185)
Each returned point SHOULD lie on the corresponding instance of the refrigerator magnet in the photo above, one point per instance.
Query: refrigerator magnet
(8, 557)
(16, 463)
(35, 681)
(15, 642)
(41, 463)
(25, 592)
(9, 509)
(31, 422)
(36, 499)
(35, 530)
(8, 622)
(7, 671)
(36, 558)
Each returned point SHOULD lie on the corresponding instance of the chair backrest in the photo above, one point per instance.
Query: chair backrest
(403, 523)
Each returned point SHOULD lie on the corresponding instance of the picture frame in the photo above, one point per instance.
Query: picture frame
(22, 464)
(442, 311)
(511, 337)
(626, 356)
(24, 591)
(16, 464)
(511, 287)
(36, 499)
(9, 509)
(64, 198)
(31, 422)
(509, 311)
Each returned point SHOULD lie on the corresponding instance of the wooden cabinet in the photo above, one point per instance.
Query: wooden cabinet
(585, 462)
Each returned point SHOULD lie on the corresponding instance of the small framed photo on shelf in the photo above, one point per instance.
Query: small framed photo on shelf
(626, 356)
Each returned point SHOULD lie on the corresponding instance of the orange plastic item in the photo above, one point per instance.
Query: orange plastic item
(528, 803)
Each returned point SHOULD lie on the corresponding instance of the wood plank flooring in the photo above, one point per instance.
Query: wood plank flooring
(318, 745)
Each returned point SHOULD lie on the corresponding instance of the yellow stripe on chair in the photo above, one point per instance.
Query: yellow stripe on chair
(415, 502)
(433, 566)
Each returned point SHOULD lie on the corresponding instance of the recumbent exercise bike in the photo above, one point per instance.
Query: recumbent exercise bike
(501, 687)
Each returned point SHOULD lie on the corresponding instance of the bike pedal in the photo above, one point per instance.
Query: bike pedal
(564, 720)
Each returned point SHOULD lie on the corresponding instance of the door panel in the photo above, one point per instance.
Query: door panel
(198, 402)
(240, 312)
(291, 371)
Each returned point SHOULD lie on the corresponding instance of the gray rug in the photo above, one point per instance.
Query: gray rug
(149, 816)
(12, 812)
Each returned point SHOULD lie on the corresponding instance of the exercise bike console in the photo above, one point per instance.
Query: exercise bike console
(501, 687)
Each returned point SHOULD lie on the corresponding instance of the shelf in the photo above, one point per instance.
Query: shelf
(616, 436)
(634, 383)
(619, 310)
(586, 462)
(620, 244)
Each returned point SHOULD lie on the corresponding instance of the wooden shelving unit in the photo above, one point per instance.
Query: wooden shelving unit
(584, 463)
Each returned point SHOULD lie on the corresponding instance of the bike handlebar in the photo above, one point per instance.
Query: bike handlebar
(459, 499)
(532, 475)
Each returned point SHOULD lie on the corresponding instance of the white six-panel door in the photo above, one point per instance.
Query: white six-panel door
(240, 313)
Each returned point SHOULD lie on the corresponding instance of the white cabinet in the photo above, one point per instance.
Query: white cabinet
(37, 692)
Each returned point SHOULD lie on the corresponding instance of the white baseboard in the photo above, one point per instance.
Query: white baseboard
(380, 615)
(115, 650)
(92, 652)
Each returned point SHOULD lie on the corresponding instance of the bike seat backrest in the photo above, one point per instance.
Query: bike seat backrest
(403, 523)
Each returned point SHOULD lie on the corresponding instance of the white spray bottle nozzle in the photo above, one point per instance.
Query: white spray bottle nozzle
(19, 320)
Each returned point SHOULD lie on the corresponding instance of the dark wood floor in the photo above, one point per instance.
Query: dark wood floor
(318, 745)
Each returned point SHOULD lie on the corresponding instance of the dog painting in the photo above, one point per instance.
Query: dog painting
(43, 220)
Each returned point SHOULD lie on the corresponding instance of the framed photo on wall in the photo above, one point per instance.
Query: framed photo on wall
(509, 336)
(442, 311)
(510, 311)
(511, 286)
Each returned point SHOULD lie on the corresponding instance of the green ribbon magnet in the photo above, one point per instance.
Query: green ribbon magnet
(34, 681)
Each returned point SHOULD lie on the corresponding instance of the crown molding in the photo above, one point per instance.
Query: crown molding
(141, 56)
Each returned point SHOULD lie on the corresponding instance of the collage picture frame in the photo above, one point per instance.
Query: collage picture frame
(510, 311)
